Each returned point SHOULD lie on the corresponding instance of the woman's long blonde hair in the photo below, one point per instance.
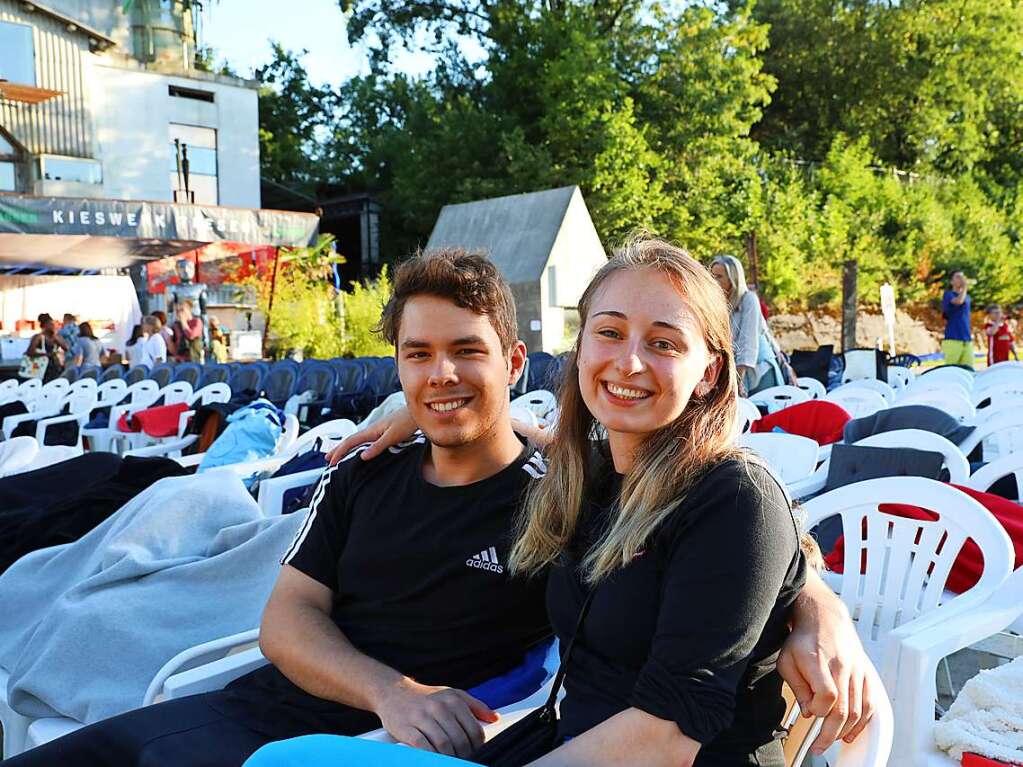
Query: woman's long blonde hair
(670, 460)
(736, 276)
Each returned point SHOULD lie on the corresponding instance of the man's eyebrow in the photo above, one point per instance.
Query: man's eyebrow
(414, 343)
(468, 341)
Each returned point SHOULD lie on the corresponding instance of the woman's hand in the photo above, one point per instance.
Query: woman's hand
(826, 667)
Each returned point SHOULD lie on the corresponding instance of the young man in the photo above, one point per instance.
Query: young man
(1000, 343)
(957, 348)
(394, 596)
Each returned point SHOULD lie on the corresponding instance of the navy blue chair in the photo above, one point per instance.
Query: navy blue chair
(162, 373)
(350, 383)
(70, 374)
(382, 382)
(190, 372)
(214, 373)
(279, 384)
(112, 373)
(246, 382)
(319, 378)
(90, 371)
(136, 374)
(539, 364)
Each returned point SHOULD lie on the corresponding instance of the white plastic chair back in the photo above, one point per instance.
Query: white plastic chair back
(46, 401)
(899, 377)
(998, 405)
(872, 384)
(330, 432)
(1000, 389)
(1008, 466)
(790, 456)
(111, 392)
(289, 434)
(857, 401)
(948, 400)
(79, 402)
(524, 415)
(1001, 435)
(956, 375)
(60, 385)
(907, 561)
(178, 391)
(214, 392)
(84, 384)
(540, 401)
(29, 388)
(143, 392)
(859, 364)
(748, 413)
(812, 386)
(917, 439)
(8, 388)
(995, 376)
(776, 398)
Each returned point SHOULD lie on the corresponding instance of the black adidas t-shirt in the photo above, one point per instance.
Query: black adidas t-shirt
(420, 578)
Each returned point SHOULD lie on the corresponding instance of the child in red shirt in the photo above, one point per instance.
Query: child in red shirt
(999, 337)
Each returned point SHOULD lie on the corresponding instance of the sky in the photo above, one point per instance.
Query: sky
(240, 31)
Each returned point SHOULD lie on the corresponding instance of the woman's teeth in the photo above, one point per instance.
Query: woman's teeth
(624, 393)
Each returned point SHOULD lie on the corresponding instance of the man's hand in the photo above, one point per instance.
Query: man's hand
(438, 719)
(826, 667)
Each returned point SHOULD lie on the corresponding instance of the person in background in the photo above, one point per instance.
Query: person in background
(87, 349)
(69, 330)
(218, 341)
(188, 333)
(133, 349)
(154, 348)
(167, 332)
(1000, 342)
(957, 347)
(47, 343)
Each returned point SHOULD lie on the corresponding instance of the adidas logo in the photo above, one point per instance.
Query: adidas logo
(485, 560)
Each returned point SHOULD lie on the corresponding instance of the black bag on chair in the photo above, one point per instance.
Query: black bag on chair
(537, 733)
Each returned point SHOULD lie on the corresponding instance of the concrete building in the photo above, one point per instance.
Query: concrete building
(94, 112)
(545, 245)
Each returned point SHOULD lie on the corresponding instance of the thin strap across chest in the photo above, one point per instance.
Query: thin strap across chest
(559, 678)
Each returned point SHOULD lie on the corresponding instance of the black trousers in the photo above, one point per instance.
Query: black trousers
(187, 732)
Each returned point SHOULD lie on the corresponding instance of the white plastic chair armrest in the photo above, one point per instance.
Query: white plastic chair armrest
(46, 423)
(165, 449)
(199, 656)
(11, 422)
(247, 468)
(213, 676)
(271, 491)
(804, 488)
(183, 421)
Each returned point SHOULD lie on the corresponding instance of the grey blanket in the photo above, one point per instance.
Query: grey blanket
(85, 627)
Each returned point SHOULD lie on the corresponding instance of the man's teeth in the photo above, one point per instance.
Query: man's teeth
(621, 391)
(444, 407)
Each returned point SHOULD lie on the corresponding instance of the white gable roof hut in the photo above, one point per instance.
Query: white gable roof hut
(545, 245)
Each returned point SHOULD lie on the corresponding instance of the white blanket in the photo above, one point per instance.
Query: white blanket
(84, 627)
(987, 716)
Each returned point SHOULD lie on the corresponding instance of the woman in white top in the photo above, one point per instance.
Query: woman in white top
(154, 348)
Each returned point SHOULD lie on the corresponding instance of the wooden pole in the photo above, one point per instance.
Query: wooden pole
(754, 260)
(270, 303)
(849, 269)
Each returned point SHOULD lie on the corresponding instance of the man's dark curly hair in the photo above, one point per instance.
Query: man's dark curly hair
(468, 280)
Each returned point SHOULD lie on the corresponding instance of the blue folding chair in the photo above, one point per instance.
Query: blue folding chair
(246, 382)
(318, 377)
(112, 373)
(190, 372)
(279, 384)
(70, 374)
(162, 373)
(214, 373)
(136, 374)
(90, 371)
(350, 382)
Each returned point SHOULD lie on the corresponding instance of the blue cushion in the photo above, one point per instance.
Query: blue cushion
(339, 751)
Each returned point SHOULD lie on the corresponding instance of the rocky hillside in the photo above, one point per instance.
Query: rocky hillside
(808, 331)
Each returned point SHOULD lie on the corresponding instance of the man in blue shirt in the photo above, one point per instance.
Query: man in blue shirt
(957, 347)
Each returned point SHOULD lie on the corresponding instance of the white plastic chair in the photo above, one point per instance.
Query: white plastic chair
(999, 390)
(954, 458)
(16, 453)
(1001, 434)
(172, 394)
(84, 384)
(80, 405)
(859, 364)
(748, 413)
(902, 614)
(45, 404)
(776, 398)
(988, 474)
(8, 389)
(790, 456)
(138, 395)
(541, 402)
(872, 384)
(948, 400)
(812, 386)
(955, 375)
(899, 377)
(998, 376)
(857, 401)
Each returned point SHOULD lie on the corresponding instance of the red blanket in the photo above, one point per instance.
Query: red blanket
(970, 563)
(976, 760)
(819, 420)
(155, 421)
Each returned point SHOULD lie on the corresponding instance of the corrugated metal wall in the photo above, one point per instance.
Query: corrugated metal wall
(62, 125)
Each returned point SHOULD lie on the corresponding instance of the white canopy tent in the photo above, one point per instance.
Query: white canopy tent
(98, 299)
